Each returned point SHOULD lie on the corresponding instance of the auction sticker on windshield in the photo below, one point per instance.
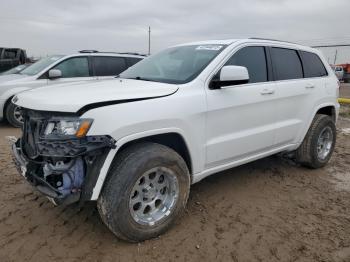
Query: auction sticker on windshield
(209, 47)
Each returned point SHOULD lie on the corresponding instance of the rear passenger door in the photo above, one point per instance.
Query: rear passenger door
(108, 67)
(295, 94)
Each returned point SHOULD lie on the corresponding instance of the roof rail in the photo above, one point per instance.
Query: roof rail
(120, 53)
(88, 51)
(268, 39)
(130, 53)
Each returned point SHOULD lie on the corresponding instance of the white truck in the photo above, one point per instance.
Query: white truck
(135, 144)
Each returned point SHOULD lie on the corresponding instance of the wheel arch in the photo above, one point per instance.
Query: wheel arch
(329, 109)
(170, 138)
(9, 94)
(8, 101)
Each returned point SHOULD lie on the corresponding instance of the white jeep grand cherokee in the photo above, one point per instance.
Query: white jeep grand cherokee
(136, 144)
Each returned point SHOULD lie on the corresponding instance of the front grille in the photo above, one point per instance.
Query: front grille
(29, 138)
(31, 134)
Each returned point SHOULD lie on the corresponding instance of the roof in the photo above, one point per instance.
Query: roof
(250, 40)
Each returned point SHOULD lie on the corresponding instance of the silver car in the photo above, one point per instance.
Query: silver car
(58, 69)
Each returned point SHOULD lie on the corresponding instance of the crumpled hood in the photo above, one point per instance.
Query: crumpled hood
(73, 97)
(13, 79)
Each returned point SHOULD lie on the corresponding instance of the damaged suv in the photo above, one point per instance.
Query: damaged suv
(135, 144)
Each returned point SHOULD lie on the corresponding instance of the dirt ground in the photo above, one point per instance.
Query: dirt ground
(345, 90)
(269, 210)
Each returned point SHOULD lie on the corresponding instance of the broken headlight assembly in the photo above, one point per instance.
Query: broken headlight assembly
(66, 128)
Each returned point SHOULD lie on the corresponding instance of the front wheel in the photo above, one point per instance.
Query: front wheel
(146, 191)
(319, 143)
(13, 115)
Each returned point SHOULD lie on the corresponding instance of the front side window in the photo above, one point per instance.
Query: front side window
(313, 65)
(254, 59)
(74, 67)
(40, 65)
(287, 64)
(10, 54)
(176, 65)
(109, 66)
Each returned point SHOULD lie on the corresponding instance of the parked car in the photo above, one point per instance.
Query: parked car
(11, 57)
(339, 72)
(15, 70)
(346, 72)
(84, 66)
(136, 144)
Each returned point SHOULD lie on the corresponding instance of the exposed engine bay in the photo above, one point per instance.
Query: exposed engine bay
(59, 164)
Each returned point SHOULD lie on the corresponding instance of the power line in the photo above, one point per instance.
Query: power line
(323, 46)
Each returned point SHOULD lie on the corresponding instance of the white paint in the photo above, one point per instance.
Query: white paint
(222, 128)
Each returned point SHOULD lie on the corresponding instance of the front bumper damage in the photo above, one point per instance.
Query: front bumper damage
(64, 170)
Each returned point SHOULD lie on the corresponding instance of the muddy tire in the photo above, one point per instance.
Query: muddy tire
(318, 144)
(13, 115)
(145, 192)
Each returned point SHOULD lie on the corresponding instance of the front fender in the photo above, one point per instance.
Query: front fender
(8, 94)
(108, 162)
(5, 96)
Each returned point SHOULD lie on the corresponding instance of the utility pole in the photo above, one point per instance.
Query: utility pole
(335, 56)
(149, 40)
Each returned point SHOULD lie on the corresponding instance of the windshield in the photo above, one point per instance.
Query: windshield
(15, 70)
(176, 65)
(40, 65)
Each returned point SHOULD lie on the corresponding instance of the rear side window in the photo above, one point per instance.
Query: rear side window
(109, 66)
(313, 66)
(287, 64)
(133, 60)
(254, 59)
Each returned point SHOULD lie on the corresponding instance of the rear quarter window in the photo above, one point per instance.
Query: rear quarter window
(313, 66)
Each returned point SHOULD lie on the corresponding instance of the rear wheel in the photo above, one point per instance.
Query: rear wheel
(13, 115)
(319, 143)
(146, 191)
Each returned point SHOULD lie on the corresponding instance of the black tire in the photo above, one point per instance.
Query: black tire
(10, 115)
(307, 154)
(127, 168)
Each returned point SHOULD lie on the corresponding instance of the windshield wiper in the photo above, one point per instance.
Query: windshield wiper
(141, 78)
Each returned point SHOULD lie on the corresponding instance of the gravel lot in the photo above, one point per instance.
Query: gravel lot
(269, 210)
(345, 91)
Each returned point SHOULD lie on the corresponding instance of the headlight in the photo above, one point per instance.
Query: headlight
(67, 127)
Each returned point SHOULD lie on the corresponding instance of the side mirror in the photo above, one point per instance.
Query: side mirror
(230, 76)
(55, 73)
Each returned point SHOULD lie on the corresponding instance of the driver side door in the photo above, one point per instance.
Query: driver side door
(241, 118)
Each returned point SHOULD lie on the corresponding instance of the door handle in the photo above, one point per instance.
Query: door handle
(310, 86)
(267, 91)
